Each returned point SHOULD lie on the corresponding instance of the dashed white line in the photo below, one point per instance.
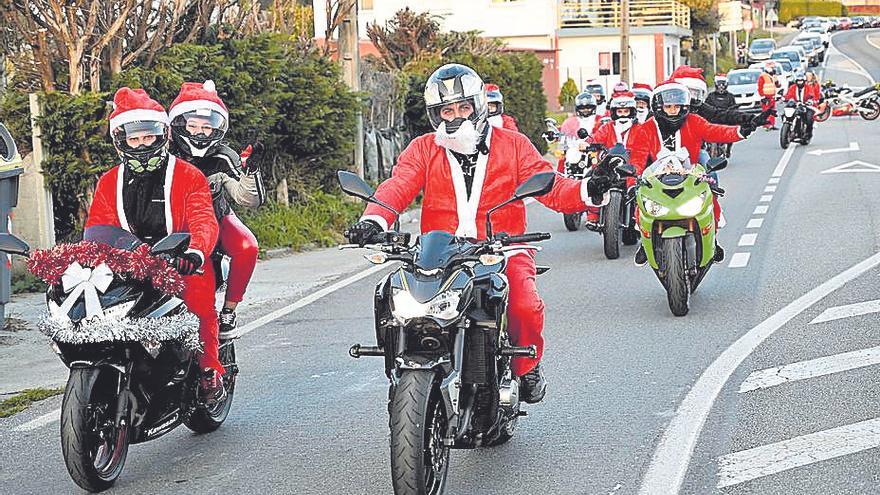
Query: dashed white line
(747, 240)
(758, 462)
(755, 223)
(813, 368)
(761, 209)
(39, 421)
(848, 311)
(766, 198)
(774, 180)
(770, 189)
(739, 260)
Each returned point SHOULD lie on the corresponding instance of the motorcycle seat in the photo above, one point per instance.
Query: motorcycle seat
(865, 91)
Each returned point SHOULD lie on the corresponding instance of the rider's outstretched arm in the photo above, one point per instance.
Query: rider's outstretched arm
(406, 181)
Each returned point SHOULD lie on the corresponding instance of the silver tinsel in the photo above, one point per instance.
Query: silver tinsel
(183, 328)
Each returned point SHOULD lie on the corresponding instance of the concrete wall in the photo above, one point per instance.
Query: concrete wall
(579, 59)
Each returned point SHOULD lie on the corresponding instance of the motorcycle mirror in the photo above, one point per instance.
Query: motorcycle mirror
(10, 244)
(626, 170)
(8, 151)
(582, 133)
(173, 245)
(536, 185)
(353, 185)
(717, 163)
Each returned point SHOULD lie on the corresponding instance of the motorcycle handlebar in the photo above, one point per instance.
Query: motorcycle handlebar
(525, 238)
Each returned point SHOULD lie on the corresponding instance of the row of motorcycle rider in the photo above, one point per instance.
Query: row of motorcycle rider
(177, 175)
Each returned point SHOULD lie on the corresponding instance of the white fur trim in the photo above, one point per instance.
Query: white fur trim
(467, 206)
(209, 85)
(692, 82)
(138, 115)
(169, 178)
(120, 207)
(378, 219)
(198, 253)
(188, 106)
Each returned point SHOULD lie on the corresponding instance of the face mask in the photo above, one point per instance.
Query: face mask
(496, 121)
(623, 125)
(642, 115)
(140, 167)
(462, 139)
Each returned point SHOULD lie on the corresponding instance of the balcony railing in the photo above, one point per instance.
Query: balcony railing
(607, 13)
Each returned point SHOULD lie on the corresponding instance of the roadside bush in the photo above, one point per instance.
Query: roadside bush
(567, 94)
(790, 9)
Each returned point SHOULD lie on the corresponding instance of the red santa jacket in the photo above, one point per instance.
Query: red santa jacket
(188, 206)
(607, 136)
(646, 141)
(509, 122)
(807, 93)
(426, 166)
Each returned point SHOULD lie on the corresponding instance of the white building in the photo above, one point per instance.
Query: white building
(579, 39)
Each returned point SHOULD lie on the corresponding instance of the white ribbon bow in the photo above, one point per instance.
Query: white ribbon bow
(78, 280)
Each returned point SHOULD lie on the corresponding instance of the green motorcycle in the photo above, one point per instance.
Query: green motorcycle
(677, 223)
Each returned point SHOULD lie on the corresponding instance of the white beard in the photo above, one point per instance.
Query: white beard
(622, 125)
(642, 115)
(464, 140)
(496, 121)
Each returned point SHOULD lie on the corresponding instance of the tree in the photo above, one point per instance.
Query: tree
(406, 37)
(567, 94)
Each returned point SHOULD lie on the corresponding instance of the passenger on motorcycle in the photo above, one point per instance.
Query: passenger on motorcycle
(497, 117)
(199, 121)
(151, 194)
(800, 92)
(464, 168)
(674, 127)
(642, 94)
(624, 114)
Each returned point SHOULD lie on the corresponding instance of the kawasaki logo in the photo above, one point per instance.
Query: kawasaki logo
(162, 426)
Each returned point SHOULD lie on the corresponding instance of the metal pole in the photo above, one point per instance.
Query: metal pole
(350, 57)
(624, 42)
(714, 53)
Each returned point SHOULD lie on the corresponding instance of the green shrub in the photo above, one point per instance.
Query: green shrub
(567, 94)
(15, 115)
(27, 282)
(789, 9)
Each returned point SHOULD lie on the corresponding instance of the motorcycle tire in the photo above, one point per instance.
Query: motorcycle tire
(573, 221)
(785, 135)
(611, 229)
(677, 290)
(630, 237)
(419, 460)
(94, 463)
(208, 419)
(870, 114)
(824, 115)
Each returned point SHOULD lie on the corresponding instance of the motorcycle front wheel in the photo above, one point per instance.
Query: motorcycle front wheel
(871, 110)
(785, 135)
(419, 459)
(611, 230)
(94, 448)
(573, 221)
(677, 290)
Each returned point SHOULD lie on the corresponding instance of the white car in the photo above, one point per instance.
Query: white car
(743, 85)
(823, 32)
(794, 54)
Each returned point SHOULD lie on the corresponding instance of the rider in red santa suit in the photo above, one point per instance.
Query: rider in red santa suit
(624, 119)
(199, 120)
(464, 168)
(642, 94)
(497, 117)
(674, 127)
(153, 194)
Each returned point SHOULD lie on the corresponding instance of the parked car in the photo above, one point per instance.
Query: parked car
(795, 54)
(743, 85)
(760, 49)
(813, 45)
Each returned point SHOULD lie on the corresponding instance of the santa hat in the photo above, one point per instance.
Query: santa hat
(642, 86)
(721, 78)
(624, 98)
(691, 77)
(493, 94)
(197, 96)
(134, 105)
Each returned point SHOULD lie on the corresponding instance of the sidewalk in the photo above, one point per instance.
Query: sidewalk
(27, 359)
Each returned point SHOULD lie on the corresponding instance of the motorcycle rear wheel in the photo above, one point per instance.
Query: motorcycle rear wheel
(94, 449)
(419, 460)
(208, 419)
(677, 290)
(611, 230)
(573, 221)
(871, 114)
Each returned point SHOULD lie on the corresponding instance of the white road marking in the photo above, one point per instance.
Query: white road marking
(783, 162)
(739, 260)
(755, 223)
(39, 421)
(761, 209)
(770, 189)
(855, 167)
(853, 146)
(766, 198)
(860, 70)
(672, 456)
(804, 370)
(747, 240)
(773, 180)
(870, 42)
(765, 460)
(848, 311)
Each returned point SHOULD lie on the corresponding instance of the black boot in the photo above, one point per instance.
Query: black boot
(641, 257)
(719, 253)
(211, 389)
(533, 386)
(227, 323)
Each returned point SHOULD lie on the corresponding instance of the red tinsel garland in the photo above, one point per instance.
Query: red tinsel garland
(50, 264)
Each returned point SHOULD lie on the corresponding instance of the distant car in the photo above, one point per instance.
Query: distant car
(743, 85)
(823, 34)
(760, 49)
(812, 52)
(813, 45)
(794, 54)
(845, 23)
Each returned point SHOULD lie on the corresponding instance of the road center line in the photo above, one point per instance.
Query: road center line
(773, 180)
(761, 209)
(770, 189)
(748, 239)
(813, 368)
(672, 456)
(755, 223)
(766, 198)
(848, 311)
(739, 260)
(765, 460)
(783, 162)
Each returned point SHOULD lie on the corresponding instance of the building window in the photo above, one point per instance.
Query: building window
(609, 63)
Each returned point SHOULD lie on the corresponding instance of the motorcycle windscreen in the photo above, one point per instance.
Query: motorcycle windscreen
(112, 235)
(435, 249)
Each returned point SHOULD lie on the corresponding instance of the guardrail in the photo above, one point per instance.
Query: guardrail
(607, 13)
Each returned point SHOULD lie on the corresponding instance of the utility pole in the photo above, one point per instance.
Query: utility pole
(349, 56)
(624, 41)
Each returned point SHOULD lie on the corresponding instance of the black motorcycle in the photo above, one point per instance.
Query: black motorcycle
(441, 327)
(794, 124)
(617, 218)
(134, 371)
(578, 164)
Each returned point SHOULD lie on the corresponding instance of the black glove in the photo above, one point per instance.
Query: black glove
(746, 129)
(187, 263)
(761, 118)
(597, 186)
(252, 158)
(363, 232)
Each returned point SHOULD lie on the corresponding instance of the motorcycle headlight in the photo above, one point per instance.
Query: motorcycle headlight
(443, 306)
(789, 112)
(693, 206)
(573, 155)
(654, 208)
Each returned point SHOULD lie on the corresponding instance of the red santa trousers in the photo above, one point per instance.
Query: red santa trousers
(525, 310)
(241, 245)
(198, 295)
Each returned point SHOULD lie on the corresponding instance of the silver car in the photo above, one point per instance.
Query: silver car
(743, 85)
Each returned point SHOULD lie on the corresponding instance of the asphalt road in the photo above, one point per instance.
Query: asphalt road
(308, 419)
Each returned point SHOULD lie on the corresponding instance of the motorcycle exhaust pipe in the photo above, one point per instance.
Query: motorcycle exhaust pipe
(513, 351)
(357, 351)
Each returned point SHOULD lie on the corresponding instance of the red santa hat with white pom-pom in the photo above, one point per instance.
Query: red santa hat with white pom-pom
(197, 96)
(135, 105)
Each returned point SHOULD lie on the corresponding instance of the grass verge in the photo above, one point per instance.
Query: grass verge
(27, 282)
(25, 398)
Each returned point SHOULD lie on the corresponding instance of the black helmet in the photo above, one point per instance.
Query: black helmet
(452, 83)
(585, 104)
(671, 94)
(142, 157)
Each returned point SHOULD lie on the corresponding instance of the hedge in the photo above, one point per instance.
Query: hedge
(790, 9)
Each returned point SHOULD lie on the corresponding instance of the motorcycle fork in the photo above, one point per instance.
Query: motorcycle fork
(125, 400)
